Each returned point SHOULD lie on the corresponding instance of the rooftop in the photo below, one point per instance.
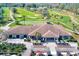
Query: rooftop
(65, 47)
(49, 34)
(46, 30)
(40, 48)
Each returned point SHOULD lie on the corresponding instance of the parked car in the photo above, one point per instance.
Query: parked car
(41, 55)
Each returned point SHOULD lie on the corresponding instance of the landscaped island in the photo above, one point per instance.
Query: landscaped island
(11, 48)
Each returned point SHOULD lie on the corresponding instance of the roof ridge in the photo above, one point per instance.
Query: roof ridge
(63, 29)
(47, 32)
(36, 29)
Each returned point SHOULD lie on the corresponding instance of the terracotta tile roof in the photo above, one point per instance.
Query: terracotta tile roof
(65, 48)
(45, 30)
(63, 45)
(62, 30)
(40, 48)
(57, 29)
(49, 34)
(22, 29)
(69, 49)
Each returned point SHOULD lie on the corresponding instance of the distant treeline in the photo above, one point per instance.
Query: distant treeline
(36, 5)
(28, 5)
(74, 7)
(66, 5)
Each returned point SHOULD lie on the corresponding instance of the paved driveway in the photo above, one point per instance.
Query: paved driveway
(51, 46)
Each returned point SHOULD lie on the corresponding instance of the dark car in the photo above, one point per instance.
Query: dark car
(41, 55)
(50, 55)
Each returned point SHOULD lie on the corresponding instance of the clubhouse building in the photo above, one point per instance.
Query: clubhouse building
(48, 32)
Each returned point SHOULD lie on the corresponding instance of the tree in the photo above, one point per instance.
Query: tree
(37, 35)
(24, 19)
(34, 5)
(45, 13)
(74, 27)
(78, 11)
(23, 5)
(28, 39)
(77, 28)
(14, 10)
(10, 48)
(17, 22)
(61, 6)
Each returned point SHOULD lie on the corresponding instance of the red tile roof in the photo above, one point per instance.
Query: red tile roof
(62, 30)
(22, 29)
(65, 48)
(37, 48)
(49, 34)
(46, 30)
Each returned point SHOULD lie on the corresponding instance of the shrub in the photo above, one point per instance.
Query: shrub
(37, 42)
(41, 55)
(71, 40)
(28, 40)
(61, 17)
(33, 53)
(10, 48)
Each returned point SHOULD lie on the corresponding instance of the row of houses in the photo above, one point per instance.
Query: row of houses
(57, 49)
(30, 4)
(48, 32)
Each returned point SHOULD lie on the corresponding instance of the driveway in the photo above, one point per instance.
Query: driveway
(51, 46)
(6, 27)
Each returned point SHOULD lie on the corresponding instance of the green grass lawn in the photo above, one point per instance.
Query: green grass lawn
(61, 19)
(34, 18)
(27, 23)
(66, 22)
(33, 22)
(29, 19)
(5, 19)
(28, 15)
(6, 13)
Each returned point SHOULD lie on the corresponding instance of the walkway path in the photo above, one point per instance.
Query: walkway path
(51, 46)
(6, 27)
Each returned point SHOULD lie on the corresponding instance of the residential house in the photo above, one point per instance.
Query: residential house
(48, 32)
(66, 49)
(40, 49)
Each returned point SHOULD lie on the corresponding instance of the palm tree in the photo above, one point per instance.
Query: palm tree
(74, 27)
(37, 35)
(24, 18)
